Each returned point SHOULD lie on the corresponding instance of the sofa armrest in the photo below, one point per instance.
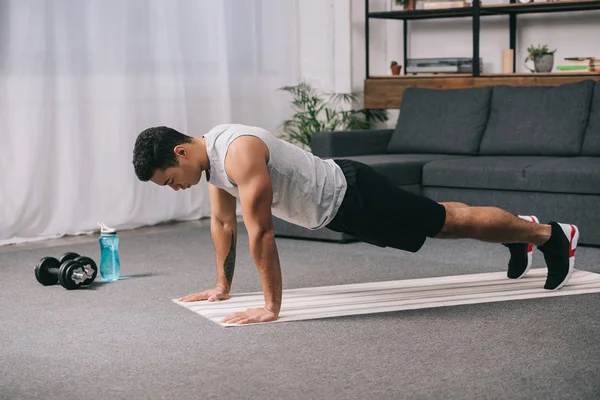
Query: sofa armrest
(350, 143)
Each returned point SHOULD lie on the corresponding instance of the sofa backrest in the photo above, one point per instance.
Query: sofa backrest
(441, 121)
(591, 141)
(537, 120)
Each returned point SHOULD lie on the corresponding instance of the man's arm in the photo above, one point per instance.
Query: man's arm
(246, 165)
(223, 228)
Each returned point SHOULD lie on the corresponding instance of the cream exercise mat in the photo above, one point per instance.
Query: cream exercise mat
(410, 294)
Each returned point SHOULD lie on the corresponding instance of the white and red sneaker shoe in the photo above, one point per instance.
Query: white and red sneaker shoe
(559, 253)
(521, 254)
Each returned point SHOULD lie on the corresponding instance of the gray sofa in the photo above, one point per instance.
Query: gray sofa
(530, 150)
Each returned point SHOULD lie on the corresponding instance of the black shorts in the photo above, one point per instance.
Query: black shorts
(376, 211)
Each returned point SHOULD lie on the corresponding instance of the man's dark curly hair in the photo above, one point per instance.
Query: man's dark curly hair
(154, 150)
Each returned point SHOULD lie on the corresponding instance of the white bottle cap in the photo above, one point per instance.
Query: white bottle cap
(105, 230)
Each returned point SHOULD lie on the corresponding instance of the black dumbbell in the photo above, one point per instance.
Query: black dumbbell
(71, 270)
(88, 264)
(46, 270)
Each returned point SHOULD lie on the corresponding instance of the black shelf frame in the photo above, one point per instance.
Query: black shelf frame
(475, 12)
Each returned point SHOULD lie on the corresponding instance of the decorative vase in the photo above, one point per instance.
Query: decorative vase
(396, 69)
(544, 63)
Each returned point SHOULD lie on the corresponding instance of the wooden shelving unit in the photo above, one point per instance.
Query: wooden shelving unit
(587, 75)
(386, 91)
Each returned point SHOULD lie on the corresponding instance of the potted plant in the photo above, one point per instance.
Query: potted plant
(395, 68)
(542, 57)
(317, 111)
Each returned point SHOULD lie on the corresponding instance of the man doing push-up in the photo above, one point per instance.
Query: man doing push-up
(272, 177)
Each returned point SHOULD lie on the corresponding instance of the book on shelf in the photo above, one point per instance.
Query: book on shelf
(580, 71)
(579, 64)
(581, 58)
(572, 67)
(440, 5)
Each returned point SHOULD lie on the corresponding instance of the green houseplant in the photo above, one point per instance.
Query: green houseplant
(542, 57)
(395, 67)
(318, 111)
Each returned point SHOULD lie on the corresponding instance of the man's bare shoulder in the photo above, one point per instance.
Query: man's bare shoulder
(248, 146)
(246, 154)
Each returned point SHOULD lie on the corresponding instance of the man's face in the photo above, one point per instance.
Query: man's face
(181, 177)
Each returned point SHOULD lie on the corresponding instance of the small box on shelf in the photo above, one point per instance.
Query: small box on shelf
(508, 61)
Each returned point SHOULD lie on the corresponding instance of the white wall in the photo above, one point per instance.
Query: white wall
(326, 43)
(328, 60)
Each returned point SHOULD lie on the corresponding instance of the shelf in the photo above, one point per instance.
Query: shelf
(424, 14)
(557, 75)
(386, 91)
(488, 10)
(420, 76)
(514, 75)
(536, 8)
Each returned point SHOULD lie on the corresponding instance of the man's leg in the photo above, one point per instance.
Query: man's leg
(491, 224)
(453, 204)
(391, 217)
(450, 204)
(521, 254)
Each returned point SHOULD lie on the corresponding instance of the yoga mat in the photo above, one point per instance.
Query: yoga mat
(410, 294)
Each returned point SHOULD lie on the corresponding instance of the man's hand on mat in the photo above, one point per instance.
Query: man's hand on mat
(215, 294)
(249, 316)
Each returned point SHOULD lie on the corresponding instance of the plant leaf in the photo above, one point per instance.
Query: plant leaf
(318, 111)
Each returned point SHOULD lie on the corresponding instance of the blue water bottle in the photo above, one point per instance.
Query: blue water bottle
(110, 266)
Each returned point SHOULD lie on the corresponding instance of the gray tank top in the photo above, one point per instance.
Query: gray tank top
(307, 190)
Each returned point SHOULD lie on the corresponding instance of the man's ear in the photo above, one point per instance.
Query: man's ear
(180, 151)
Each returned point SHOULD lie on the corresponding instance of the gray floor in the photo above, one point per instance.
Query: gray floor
(127, 339)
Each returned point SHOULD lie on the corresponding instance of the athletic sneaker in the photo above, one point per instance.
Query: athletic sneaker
(559, 253)
(521, 254)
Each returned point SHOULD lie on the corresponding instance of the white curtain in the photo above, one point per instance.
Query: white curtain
(79, 79)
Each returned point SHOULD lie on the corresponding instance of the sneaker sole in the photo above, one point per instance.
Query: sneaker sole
(529, 251)
(573, 246)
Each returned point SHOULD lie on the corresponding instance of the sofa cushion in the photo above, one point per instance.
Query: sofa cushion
(537, 120)
(441, 121)
(402, 169)
(591, 140)
(523, 173)
(349, 143)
